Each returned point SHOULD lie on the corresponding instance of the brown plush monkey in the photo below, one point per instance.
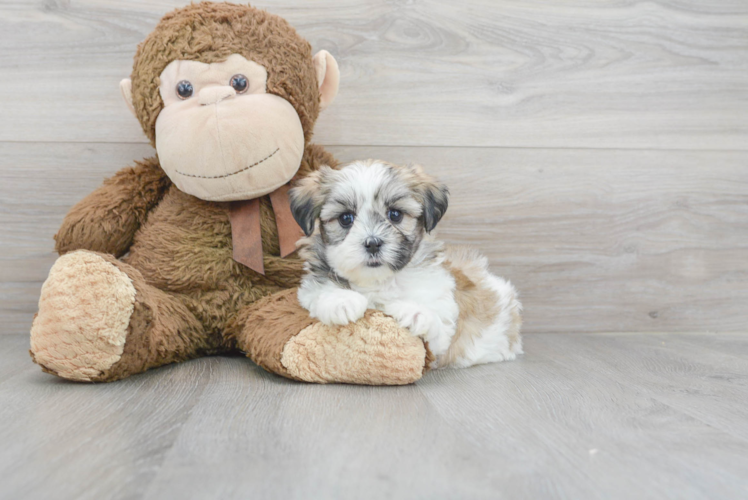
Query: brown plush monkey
(190, 253)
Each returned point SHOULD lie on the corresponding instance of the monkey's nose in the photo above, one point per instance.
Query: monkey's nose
(372, 244)
(214, 95)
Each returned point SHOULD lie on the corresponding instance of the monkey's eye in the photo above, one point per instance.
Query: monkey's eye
(240, 83)
(184, 89)
(346, 219)
(395, 216)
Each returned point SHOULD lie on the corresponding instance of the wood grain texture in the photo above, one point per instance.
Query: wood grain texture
(578, 416)
(565, 408)
(587, 73)
(69, 440)
(676, 369)
(595, 240)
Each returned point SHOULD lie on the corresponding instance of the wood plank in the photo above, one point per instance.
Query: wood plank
(595, 240)
(694, 379)
(13, 348)
(571, 418)
(593, 74)
(526, 431)
(87, 441)
(731, 344)
(604, 438)
(280, 439)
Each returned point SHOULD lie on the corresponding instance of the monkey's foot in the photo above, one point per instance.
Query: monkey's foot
(278, 334)
(84, 312)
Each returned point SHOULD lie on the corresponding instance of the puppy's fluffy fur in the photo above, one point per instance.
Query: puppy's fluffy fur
(372, 249)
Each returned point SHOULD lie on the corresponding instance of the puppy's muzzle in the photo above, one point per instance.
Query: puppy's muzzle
(373, 245)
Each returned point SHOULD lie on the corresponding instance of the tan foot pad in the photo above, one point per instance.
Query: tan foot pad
(84, 311)
(375, 350)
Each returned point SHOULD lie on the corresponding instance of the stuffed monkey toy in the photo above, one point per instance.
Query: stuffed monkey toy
(192, 253)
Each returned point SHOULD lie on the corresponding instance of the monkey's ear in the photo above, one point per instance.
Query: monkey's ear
(307, 199)
(328, 77)
(435, 197)
(126, 87)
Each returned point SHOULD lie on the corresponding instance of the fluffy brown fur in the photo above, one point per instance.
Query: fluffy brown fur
(280, 312)
(478, 305)
(190, 290)
(210, 32)
(108, 219)
(192, 298)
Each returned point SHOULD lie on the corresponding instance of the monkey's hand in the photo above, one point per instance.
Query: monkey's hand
(107, 219)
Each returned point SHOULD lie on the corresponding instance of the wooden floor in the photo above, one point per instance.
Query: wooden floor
(579, 416)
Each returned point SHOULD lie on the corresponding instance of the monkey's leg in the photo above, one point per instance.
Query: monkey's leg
(99, 321)
(278, 334)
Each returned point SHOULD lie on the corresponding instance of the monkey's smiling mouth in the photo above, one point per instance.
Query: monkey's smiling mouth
(233, 173)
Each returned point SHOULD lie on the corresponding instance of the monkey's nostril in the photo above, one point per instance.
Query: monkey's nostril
(372, 245)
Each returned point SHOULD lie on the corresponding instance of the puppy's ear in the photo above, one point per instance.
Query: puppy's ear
(307, 199)
(436, 200)
(435, 196)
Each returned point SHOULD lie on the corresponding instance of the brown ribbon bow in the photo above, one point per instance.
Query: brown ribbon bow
(246, 234)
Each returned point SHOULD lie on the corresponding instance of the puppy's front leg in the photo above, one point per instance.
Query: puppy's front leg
(422, 322)
(331, 304)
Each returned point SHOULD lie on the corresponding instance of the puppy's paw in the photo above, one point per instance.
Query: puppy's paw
(340, 307)
(439, 342)
(423, 322)
(419, 320)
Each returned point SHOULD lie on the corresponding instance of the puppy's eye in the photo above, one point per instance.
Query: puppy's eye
(184, 89)
(346, 219)
(395, 216)
(240, 83)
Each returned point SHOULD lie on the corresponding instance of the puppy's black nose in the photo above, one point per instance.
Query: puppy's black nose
(372, 245)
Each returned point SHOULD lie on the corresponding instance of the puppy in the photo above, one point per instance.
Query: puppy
(372, 250)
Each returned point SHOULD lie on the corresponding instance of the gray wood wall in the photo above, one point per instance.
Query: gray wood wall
(597, 150)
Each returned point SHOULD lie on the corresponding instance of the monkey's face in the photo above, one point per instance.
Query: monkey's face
(228, 94)
(220, 135)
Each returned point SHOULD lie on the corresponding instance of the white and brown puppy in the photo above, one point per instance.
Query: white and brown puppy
(372, 250)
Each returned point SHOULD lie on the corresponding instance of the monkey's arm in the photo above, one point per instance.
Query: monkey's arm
(107, 219)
